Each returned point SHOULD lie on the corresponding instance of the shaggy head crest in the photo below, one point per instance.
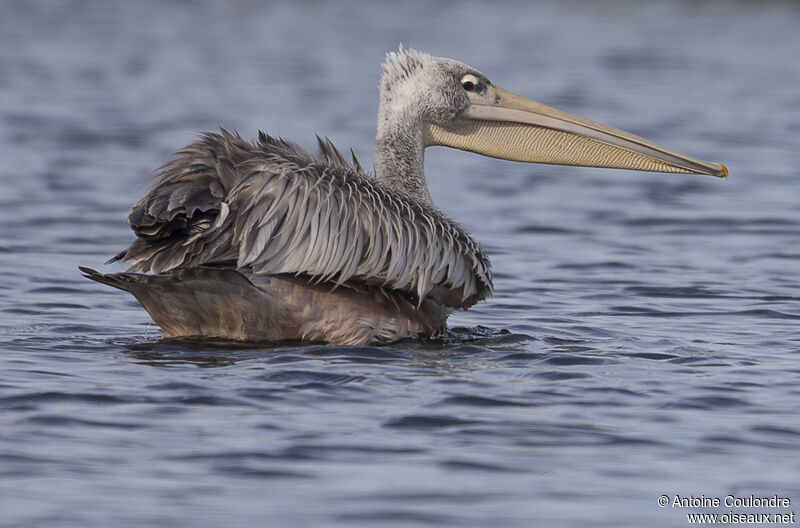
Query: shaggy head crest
(403, 63)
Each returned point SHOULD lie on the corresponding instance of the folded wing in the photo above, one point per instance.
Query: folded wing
(272, 208)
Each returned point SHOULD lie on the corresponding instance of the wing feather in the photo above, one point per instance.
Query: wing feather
(273, 208)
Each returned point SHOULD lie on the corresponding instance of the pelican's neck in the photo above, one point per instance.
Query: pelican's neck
(400, 151)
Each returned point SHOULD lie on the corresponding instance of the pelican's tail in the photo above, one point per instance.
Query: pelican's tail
(117, 280)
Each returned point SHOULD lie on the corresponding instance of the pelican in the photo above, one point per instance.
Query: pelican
(262, 241)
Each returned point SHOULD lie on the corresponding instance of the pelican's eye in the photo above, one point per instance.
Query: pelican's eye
(469, 82)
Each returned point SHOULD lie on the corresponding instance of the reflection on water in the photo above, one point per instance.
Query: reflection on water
(642, 339)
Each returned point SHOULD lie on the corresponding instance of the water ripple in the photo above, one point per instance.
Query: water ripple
(643, 336)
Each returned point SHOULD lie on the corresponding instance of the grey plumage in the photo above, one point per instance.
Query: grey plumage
(272, 208)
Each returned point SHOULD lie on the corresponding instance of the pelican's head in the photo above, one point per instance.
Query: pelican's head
(456, 106)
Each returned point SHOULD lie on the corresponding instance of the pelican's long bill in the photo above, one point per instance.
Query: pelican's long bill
(508, 126)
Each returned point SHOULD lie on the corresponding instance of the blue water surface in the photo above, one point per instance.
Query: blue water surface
(644, 335)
